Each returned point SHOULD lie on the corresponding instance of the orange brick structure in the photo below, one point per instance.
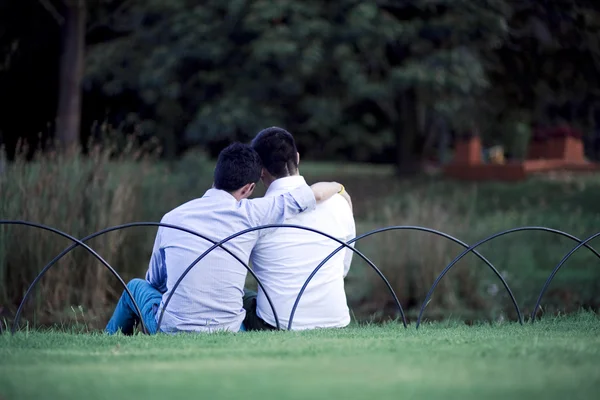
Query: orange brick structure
(562, 149)
(559, 143)
(468, 152)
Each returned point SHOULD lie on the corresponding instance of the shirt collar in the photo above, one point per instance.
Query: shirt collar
(218, 193)
(284, 185)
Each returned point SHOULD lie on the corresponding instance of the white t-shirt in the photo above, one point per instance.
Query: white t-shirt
(283, 258)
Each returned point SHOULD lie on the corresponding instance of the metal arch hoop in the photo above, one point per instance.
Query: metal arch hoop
(257, 228)
(415, 228)
(88, 248)
(555, 271)
(78, 242)
(120, 227)
(489, 238)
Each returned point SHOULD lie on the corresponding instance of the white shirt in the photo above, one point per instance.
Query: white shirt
(283, 258)
(209, 298)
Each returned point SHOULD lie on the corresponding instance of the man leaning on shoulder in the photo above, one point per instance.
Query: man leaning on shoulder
(283, 258)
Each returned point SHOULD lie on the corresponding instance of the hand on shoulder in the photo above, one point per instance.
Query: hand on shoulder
(325, 190)
(346, 196)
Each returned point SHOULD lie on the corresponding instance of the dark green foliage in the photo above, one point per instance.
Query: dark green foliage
(331, 72)
(362, 80)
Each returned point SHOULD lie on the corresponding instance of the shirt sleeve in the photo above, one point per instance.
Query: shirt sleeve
(276, 209)
(157, 272)
(351, 234)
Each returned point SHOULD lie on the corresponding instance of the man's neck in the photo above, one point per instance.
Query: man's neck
(285, 184)
(269, 182)
(237, 195)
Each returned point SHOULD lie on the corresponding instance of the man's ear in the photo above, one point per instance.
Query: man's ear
(247, 190)
(297, 158)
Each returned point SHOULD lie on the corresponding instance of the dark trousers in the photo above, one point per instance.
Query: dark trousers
(253, 322)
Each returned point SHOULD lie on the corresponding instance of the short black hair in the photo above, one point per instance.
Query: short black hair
(238, 165)
(277, 150)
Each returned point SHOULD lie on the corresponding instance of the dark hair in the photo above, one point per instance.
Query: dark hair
(277, 150)
(238, 164)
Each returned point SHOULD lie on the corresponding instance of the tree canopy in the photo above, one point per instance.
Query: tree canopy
(361, 80)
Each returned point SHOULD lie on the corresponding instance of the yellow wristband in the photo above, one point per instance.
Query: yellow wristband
(342, 189)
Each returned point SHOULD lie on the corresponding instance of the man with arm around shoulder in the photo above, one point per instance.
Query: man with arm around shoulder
(209, 298)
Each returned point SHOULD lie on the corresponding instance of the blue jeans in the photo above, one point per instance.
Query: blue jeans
(125, 315)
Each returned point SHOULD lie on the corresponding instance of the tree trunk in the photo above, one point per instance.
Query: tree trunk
(407, 132)
(68, 118)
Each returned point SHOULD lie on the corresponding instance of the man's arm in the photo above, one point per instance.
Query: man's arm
(157, 272)
(326, 190)
(348, 255)
(276, 209)
(351, 234)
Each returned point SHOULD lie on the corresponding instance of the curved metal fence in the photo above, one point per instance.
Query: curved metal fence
(221, 244)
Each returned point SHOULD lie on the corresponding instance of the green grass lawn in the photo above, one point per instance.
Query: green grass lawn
(555, 358)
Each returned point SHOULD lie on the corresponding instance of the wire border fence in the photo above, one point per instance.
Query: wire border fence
(348, 245)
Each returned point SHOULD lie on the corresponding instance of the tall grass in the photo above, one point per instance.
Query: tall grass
(412, 260)
(83, 194)
(79, 195)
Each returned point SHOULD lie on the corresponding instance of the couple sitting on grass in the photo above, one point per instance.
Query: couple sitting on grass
(211, 297)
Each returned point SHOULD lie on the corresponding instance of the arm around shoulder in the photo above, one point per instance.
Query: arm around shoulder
(325, 190)
(346, 197)
(276, 209)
